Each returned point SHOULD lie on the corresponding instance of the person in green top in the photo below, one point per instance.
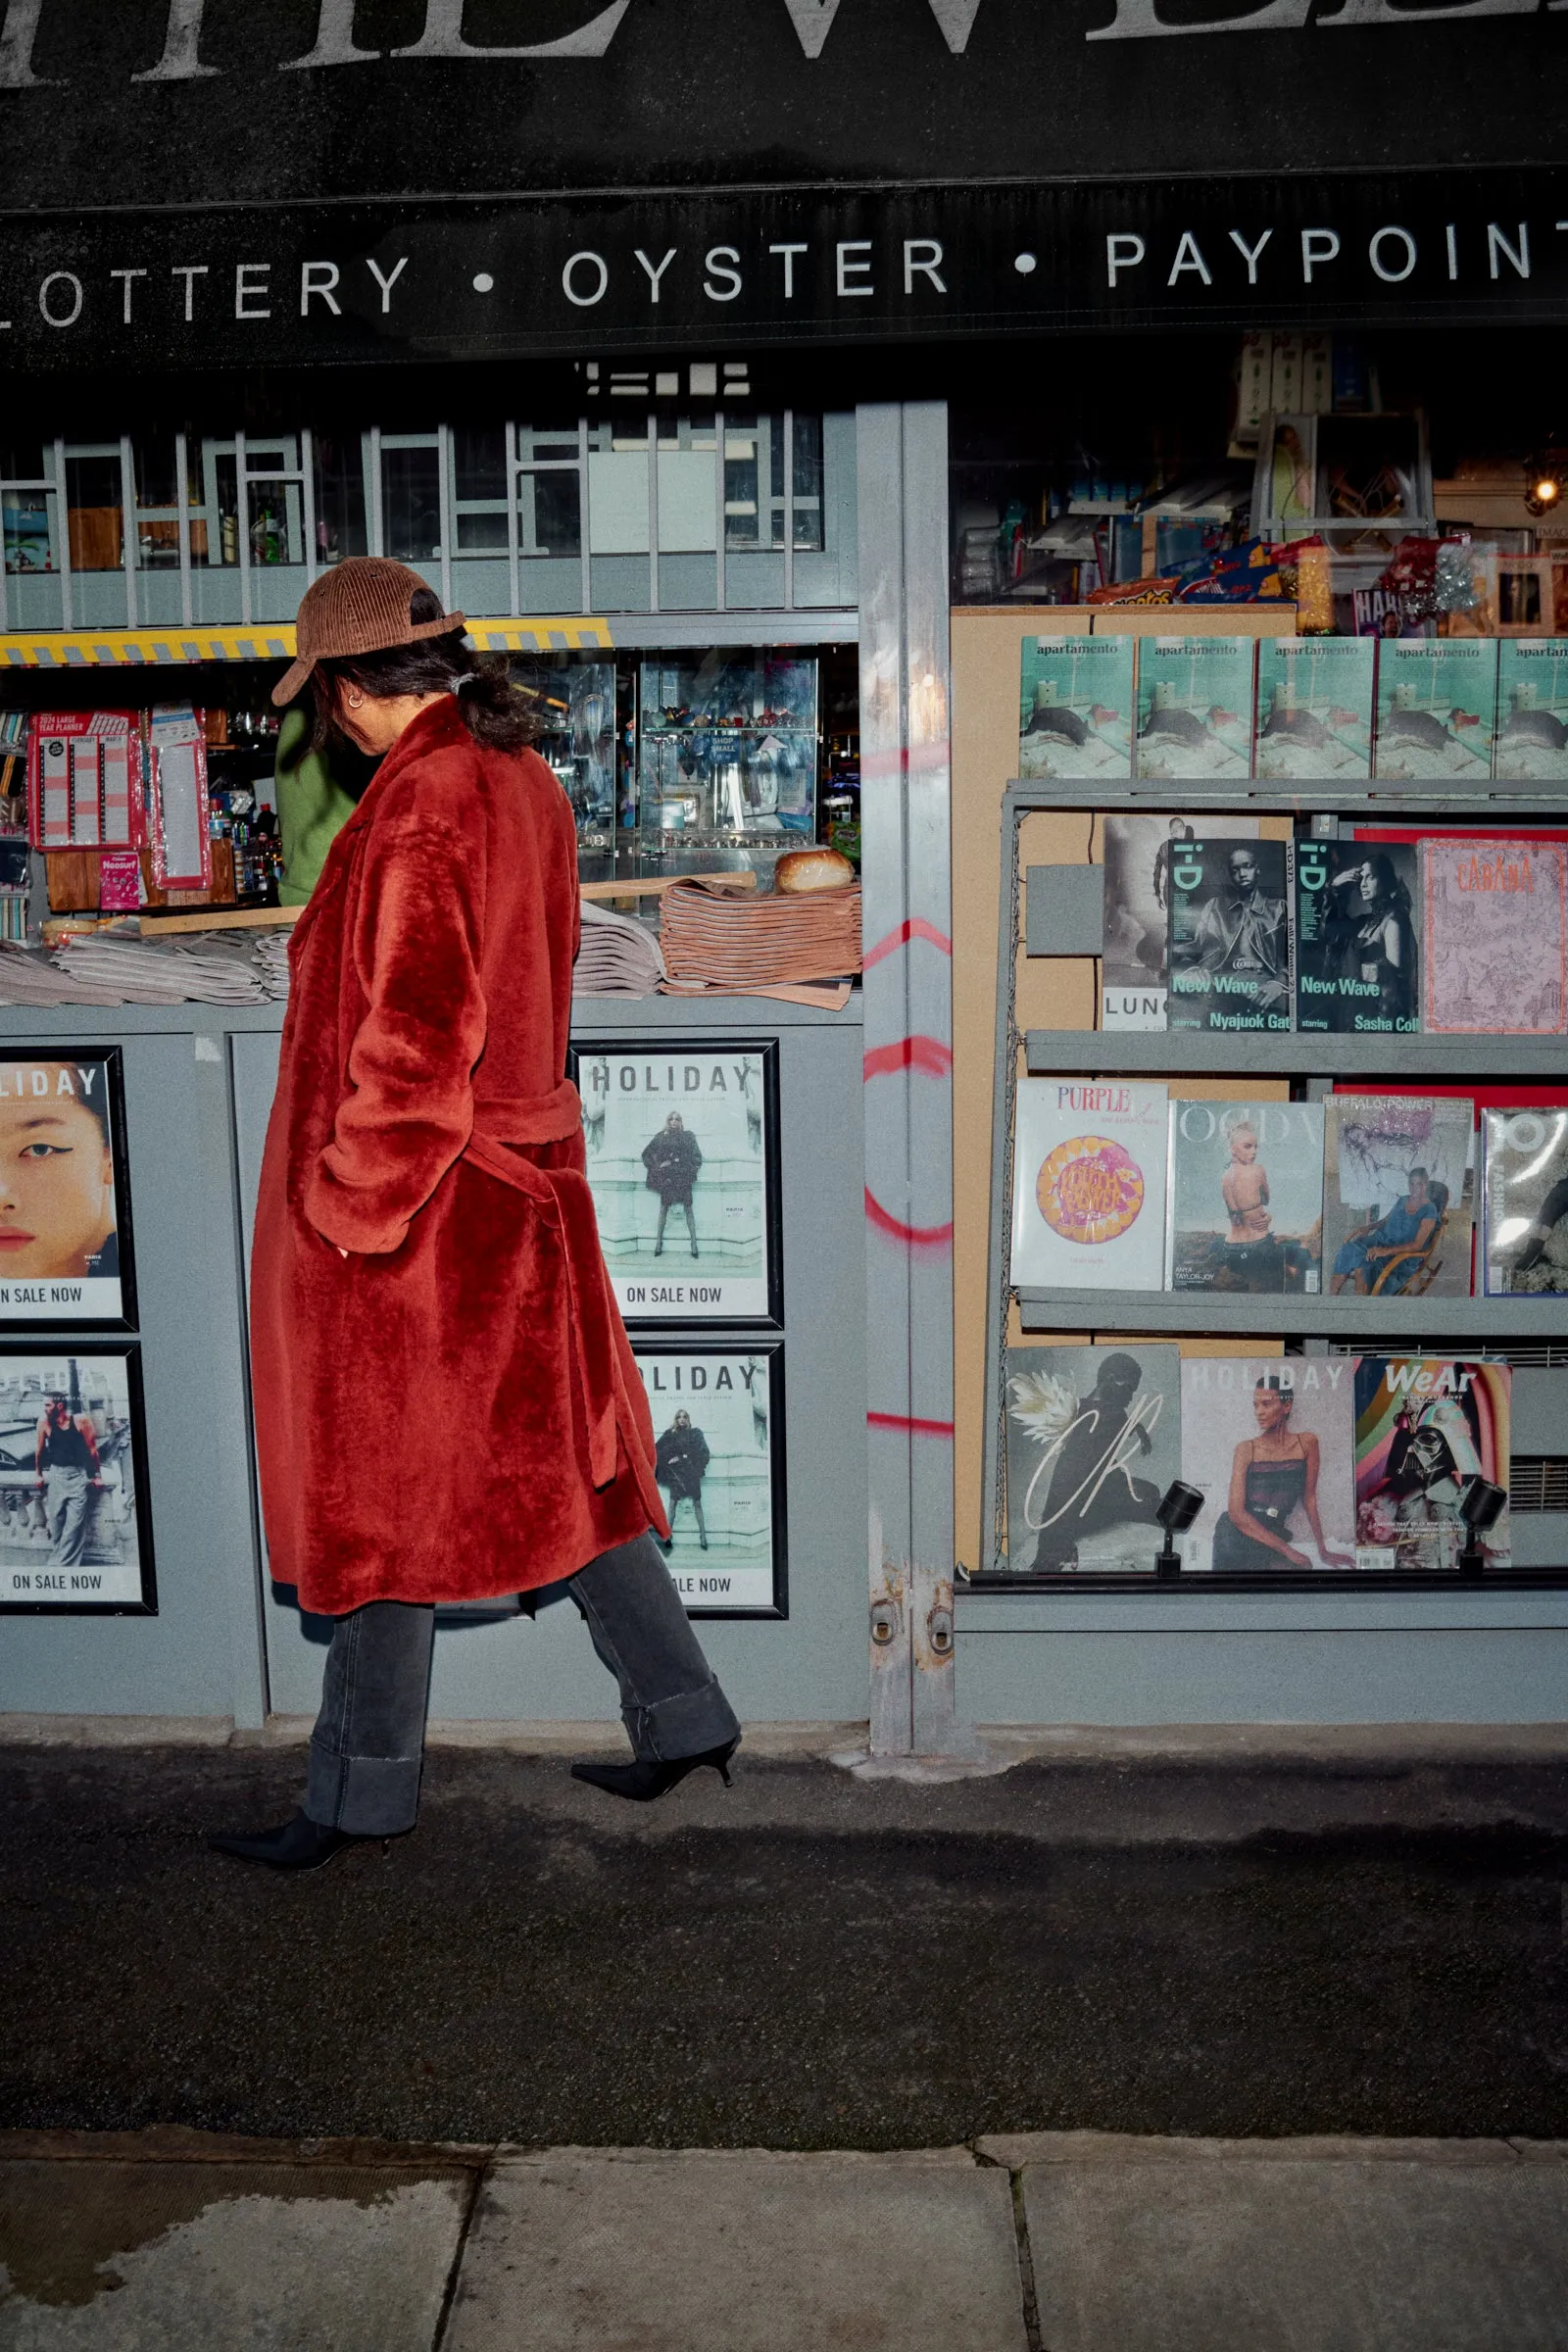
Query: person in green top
(316, 795)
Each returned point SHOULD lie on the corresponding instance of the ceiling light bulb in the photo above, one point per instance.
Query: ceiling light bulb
(1547, 491)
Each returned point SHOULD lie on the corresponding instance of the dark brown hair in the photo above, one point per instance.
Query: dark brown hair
(495, 714)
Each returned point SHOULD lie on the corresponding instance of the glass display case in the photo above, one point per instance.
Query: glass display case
(727, 751)
(576, 704)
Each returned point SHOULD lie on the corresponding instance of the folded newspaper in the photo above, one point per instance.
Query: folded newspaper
(718, 938)
(619, 957)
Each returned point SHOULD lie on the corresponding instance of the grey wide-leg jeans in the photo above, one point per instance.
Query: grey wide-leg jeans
(368, 1742)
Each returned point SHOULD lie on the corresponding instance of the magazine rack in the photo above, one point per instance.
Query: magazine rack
(1061, 907)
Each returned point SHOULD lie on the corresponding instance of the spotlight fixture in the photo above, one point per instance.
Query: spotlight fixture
(1175, 1511)
(1481, 1506)
(1545, 482)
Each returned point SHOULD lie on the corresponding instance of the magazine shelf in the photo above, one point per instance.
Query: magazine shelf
(1376, 1325)
(1295, 1053)
(1063, 919)
(1256, 796)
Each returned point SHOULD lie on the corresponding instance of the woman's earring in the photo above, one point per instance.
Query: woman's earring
(356, 701)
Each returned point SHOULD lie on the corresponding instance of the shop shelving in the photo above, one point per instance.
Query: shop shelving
(1322, 1323)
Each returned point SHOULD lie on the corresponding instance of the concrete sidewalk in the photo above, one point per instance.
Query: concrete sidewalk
(173, 2241)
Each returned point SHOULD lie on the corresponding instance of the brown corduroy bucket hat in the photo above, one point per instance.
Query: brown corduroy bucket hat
(358, 607)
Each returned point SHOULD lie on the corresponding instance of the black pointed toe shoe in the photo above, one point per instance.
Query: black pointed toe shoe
(649, 1777)
(299, 1844)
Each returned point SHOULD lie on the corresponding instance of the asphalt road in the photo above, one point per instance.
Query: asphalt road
(805, 1962)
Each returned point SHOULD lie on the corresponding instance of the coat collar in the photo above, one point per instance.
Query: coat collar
(437, 728)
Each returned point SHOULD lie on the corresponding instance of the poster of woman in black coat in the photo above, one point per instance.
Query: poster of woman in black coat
(672, 1159)
(679, 1459)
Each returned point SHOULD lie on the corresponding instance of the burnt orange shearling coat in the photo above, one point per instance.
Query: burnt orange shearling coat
(452, 1411)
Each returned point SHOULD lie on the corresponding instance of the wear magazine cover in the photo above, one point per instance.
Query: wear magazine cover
(62, 1255)
(1357, 938)
(714, 1437)
(1437, 705)
(1397, 1195)
(1314, 706)
(1195, 706)
(1246, 1195)
(1076, 707)
(1138, 857)
(678, 1166)
(1525, 1191)
(1089, 1185)
(70, 1534)
(1532, 710)
(1423, 1427)
(1497, 936)
(1093, 1439)
(1269, 1440)
(1230, 936)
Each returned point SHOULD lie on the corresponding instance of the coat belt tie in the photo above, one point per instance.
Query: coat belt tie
(565, 1201)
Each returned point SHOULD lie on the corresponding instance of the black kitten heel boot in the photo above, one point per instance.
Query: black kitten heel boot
(299, 1844)
(649, 1776)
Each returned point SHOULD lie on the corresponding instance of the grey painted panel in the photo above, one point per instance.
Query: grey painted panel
(1064, 913)
(812, 1666)
(201, 1654)
(1539, 1416)
(1540, 1539)
(1188, 1608)
(1155, 1678)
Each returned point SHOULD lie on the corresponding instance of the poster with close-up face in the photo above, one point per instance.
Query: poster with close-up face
(74, 1529)
(681, 1147)
(65, 1239)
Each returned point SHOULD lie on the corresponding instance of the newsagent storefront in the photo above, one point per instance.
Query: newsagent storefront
(1177, 554)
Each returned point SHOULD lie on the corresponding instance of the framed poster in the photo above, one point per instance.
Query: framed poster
(76, 1533)
(718, 1435)
(65, 1201)
(682, 1145)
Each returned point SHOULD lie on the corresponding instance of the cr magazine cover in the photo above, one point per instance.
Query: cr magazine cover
(1093, 1439)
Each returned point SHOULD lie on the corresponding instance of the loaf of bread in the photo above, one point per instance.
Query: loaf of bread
(800, 871)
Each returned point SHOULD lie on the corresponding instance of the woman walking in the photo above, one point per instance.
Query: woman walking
(447, 1407)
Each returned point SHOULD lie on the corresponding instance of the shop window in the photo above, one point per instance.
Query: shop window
(27, 506)
(339, 498)
(631, 514)
(479, 492)
(215, 511)
(412, 529)
(548, 514)
(155, 471)
(94, 512)
(808, 488)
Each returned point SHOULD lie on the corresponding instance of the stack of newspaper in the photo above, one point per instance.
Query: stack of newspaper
(272, 961)
(720, 939)
(200, 972)
(27, 978)
(619, 957)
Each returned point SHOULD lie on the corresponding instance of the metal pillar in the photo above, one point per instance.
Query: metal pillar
(905, 816)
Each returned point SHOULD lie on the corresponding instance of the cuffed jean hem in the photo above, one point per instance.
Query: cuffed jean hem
(685, 1726)
(367, 1796)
